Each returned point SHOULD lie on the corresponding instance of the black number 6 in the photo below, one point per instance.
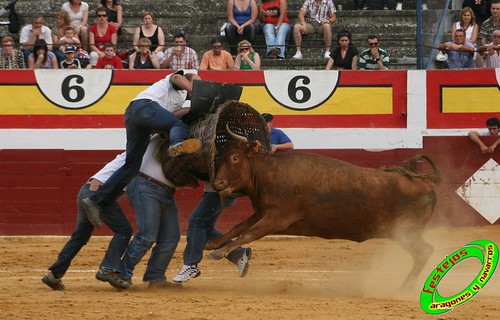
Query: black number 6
(67, 89)
(293, 89)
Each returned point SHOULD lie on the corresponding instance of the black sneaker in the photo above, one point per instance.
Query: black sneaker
(92, 211)
(53, 282)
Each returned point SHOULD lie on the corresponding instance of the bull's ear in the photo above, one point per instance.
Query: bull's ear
(255, 146)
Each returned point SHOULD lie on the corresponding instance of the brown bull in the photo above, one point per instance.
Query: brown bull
(311, 195)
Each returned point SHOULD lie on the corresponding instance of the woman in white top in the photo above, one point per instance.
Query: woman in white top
(466, 22)
(79, 14)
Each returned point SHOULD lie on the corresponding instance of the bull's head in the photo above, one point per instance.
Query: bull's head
(234, 171)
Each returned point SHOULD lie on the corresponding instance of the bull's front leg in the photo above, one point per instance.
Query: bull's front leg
(236, 231)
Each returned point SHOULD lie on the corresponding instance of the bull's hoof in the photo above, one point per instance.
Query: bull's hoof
(215, 255)
(211, 245)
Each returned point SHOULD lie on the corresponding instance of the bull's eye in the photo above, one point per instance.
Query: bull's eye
(235, 158)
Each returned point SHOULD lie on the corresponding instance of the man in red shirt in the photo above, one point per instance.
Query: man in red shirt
(110, 60)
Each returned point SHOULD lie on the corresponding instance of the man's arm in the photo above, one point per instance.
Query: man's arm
(182, 82)
(474, 137)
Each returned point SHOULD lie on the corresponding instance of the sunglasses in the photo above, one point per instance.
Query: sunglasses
(373, 44)
(244, 49)
(102, 15)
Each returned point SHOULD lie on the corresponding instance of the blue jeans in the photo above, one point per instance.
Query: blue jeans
(114, 218)
(201, 229)
(276, 39)
(141, 118)
(157, 219)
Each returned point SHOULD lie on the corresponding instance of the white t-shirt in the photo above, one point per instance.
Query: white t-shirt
(164, 93)
(110, 168)
(76, 18)
(28, 29)
(150, 165)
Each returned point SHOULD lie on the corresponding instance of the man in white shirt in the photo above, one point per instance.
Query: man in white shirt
(32, 32)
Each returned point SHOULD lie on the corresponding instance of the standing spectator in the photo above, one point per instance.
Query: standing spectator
(247, 58)
(152, 32)
(216, 59)
(70, 62)
(493, 125)
(78, 12)
(466, 22)
(113, 217)
(490, 53)
(32, 32)
(346, 55)
(279, 140)
(481, 9)
(10, 58)
(241, 15)
(115, 13)
(385, 4)
(315, 16)
(144, 58)
(276, 28)
(373, 58)
(491, 24)
(110, 60)
(460, 52)
(41, 57)
(100, 33)
(180, 56)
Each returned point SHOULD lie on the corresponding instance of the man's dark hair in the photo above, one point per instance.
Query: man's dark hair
(493, 122)
(216, 39)
(372, 37)
(179, 35)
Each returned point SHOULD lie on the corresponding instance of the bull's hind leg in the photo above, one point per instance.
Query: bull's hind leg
(233, 233)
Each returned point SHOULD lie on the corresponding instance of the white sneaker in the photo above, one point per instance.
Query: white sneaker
(424, 6)
(298, 55)
(399, 6)
(187, 273)
(327, 54)
(243, 262)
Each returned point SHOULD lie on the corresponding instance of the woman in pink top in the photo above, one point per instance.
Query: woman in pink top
(101, 33)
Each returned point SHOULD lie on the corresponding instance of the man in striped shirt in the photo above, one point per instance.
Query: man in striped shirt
(180, 56)
(373, 58)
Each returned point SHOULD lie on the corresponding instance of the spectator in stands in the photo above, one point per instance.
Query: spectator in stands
(493, 125)
(152, 32)
(32, 32)
(145, 58)
(490, 25)
(10, 58)
(109, 60)
(115, 13)
(241, 15)
(247, 58)
(490, 53)
(216, 59)
(70, 62)
(315, 16)
(69, 38)
(346, 55)
(59, 30)
(279, 140)
(42, 57)
(399, 6)
(481, 9)
(385, 4)
(373, 58)
(78, 12)
(100, 33)
(466, 22)
(273, 13)
(180, 56)
(460, 52)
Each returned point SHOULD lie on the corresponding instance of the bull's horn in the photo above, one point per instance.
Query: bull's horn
(236, 136)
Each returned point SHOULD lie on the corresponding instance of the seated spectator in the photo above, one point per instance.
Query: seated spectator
(216, 59)
(241, 15)
(69, 38)
(70, 62)
(315, 18)
(144, 58)
(491, 24)
(59, 30)
(373, 58)
(466, 22)
(247, 58)
(78, 12)
(10, 58)
(279, 140)
(180, 56)
(346, 55)
(115, 13)
(109, 60)
(460, 52)
(385, 4)
(493, 125)
(32, 32)
(274, 15)
(100, 33)
(490, 53)
(41, 57)
(152, 32)
(481, 9)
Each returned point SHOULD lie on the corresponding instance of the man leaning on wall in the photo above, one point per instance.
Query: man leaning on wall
(493, 125)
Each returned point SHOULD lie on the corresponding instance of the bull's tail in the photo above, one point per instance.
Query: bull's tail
(410, 169)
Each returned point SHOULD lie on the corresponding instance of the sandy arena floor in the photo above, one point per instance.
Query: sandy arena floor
(289, 278)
